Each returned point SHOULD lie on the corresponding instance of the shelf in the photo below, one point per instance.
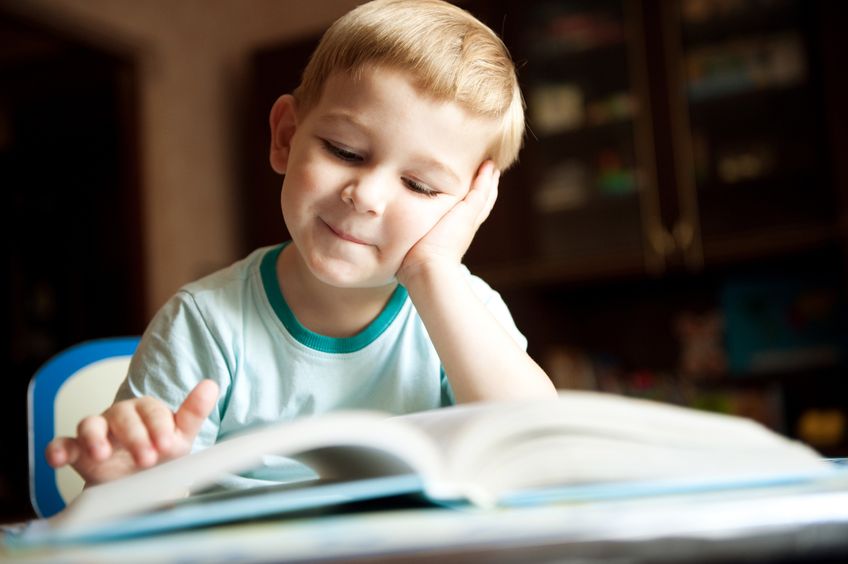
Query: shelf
(751, 98)
(593, 135)
(778, 17)
(538, 273)
(565, 57)
(777, 241)
(578, 67)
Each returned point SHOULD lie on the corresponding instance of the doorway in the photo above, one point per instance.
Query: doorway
(71, 212)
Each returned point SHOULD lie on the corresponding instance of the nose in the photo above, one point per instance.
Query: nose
(367, 193)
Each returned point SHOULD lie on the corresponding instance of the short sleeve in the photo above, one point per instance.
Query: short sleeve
(496, 306)
(176, 352)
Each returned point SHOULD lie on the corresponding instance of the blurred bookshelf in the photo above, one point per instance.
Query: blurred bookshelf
(675, 228)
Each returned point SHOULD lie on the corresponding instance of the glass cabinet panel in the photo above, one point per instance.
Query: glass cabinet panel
(756, 133)
(580, 154)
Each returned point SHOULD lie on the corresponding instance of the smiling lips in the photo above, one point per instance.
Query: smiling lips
(345, 236)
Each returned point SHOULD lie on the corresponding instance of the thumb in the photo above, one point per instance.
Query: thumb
(196, 408)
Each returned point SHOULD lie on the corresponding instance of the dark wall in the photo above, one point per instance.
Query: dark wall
(71, 215)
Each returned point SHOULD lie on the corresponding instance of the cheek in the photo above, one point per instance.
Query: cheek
(304, 184)
(418, 221)
(292, 192)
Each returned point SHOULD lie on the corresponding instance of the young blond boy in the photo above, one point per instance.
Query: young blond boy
(392, 148)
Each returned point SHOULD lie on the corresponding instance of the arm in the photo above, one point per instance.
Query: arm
(162, 408)
(482, 361)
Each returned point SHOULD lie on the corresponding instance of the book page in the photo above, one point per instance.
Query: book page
(595, 437)
(341, 445)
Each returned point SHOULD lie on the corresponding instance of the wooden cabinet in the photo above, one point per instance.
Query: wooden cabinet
(679, 202)
(662, 135)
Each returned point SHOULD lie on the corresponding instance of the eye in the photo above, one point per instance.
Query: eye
(341, 153)
(419, 188)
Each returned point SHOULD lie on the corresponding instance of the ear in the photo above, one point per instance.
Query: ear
(283, 121)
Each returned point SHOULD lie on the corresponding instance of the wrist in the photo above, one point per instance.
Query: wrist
(423, 274)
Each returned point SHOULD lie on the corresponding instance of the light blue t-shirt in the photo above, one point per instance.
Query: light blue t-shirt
(235, 327)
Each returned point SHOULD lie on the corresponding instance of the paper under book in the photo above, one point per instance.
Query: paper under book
(581, 446)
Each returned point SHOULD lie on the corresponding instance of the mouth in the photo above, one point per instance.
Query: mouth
(344, 236)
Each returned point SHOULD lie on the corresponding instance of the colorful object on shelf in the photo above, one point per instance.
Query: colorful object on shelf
(740, 65)
(701, 339)
(762, 403)
(706, 11)
(556, 107)
(565, 187)
(747, 161)
(570, 368)
(613, 177)
(618, 106)
(559, 107)
(781, 325)
(564, 30)
(822, 428)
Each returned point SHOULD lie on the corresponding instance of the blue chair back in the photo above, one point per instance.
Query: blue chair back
(77, 382)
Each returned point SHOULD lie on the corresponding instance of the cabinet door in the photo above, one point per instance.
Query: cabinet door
(583, 199)
(750, 136)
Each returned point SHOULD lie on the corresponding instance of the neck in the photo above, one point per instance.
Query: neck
(325, 309)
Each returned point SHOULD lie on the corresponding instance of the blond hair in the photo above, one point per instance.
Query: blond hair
(448, 52)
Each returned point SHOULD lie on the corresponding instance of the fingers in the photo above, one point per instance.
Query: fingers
(492, 198)
(92, 437)
(61, 451)
(128, 426)
(133, 434)
(159, 423)
(196, 408)
(484, 191)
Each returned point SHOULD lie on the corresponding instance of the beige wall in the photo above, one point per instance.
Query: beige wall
(192, 58)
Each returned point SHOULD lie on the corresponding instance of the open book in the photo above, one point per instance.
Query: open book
(582, 446)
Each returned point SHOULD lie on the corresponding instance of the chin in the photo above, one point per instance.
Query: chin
(342, 274)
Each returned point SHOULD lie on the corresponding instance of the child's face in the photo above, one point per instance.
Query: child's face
(369, 171)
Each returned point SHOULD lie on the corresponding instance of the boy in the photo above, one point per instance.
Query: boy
(391, 149)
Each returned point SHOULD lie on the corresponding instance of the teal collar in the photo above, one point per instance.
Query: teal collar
(268, 269)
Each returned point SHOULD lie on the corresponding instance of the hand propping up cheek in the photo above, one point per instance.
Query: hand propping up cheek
(132, 435)
(450, 238)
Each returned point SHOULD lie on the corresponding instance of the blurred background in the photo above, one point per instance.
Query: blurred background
(675, 229)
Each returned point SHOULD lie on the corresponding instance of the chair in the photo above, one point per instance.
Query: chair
(77, 382)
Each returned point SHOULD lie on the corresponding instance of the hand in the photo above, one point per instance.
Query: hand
(448, 240)
(132, 435)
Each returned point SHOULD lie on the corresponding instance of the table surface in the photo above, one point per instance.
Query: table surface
(766, 526)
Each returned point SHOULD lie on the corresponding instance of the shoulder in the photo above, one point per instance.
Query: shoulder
(235, 274)
(198, 332)
(231, 287)
(481, 288)
(217, 302)
(493, 301)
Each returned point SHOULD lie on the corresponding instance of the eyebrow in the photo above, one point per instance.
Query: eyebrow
(420, 160)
